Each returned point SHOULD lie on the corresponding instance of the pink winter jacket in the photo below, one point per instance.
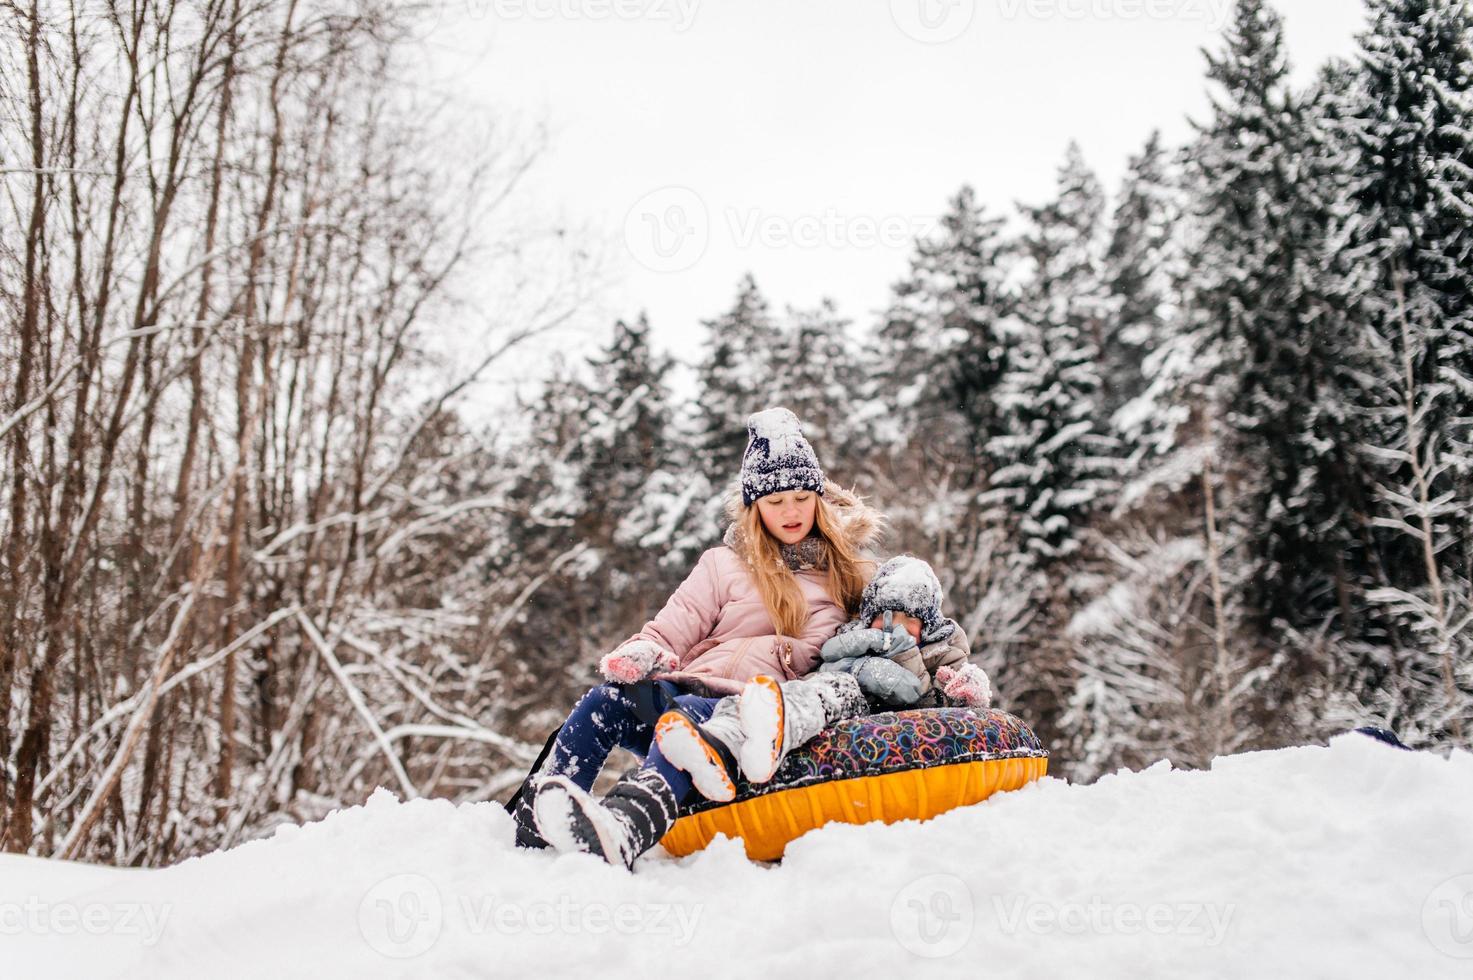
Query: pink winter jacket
(717, 625)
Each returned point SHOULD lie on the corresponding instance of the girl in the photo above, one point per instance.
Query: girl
(898, 652)
(788, 574)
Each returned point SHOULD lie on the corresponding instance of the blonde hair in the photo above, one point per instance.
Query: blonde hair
(776, 582)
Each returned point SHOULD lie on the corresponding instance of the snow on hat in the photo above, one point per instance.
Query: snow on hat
(907, 584)
(778, 458)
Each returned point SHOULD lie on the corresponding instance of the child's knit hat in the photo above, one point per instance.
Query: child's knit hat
(778, 458)
(907, 584)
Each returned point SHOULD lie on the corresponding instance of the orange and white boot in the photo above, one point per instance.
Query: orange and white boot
(706, 750)
(777, 718)
(763, 716)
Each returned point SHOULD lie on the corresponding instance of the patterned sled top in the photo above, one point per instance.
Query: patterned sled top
(895, 741)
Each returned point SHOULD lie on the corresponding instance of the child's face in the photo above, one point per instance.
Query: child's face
(911, 624)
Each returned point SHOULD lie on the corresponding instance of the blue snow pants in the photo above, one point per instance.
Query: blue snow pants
(606, 717)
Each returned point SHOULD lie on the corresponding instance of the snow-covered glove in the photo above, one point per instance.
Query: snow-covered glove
(634, 660)
(853, 643)
(968, 685)
(867, 641)
(881, 680)
(887, 682)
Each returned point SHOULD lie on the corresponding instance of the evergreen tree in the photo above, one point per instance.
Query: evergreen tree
(942, 350)
(741, 373)
(1138, 275)
(1053, 466)
(1408, 226)
(822, 382)
(534, 577)
(591, 519)
(625, 440)
(1258, 316)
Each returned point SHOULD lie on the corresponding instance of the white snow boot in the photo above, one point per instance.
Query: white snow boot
(777, 718)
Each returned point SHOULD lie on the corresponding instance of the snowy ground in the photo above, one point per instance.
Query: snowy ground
(1353, 860)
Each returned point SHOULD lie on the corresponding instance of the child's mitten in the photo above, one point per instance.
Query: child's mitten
(967, 684)
(854, 643)
(886, 681)
(634, 660)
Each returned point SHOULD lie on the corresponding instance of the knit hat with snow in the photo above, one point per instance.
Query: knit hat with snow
(906, 584)
(778, 458)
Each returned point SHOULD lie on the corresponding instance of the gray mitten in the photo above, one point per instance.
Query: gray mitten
(881, 680)
(854, 643)
(888, 642)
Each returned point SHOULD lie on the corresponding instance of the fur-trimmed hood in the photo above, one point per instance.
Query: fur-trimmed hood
(863, 524)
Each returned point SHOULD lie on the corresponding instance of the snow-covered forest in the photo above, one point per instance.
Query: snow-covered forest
(1192, 455)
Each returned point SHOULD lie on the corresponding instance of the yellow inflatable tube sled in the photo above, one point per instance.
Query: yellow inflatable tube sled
(901, 765)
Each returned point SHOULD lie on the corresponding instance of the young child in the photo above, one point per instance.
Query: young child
(899, 652)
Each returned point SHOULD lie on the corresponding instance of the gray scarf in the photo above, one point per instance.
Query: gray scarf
(804, 556)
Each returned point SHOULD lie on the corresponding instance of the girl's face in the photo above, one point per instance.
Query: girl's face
(911, 624)
(788, 516)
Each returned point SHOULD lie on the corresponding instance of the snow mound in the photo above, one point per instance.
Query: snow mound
(1352, 860)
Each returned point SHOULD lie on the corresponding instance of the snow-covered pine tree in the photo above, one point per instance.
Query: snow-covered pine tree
(822, 382)
(1256, 309)
(532, 579)
(741, 373)
(1053, 466)
(1345, 360)
(593, 521)
(640, 472)
(625, 442)
(934, 361)
(940, 350)
(1138, 273)
(1408, 228)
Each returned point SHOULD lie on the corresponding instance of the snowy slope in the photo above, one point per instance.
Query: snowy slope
(1353, 860)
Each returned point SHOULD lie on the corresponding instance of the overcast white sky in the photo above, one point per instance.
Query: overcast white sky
(806, 140)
